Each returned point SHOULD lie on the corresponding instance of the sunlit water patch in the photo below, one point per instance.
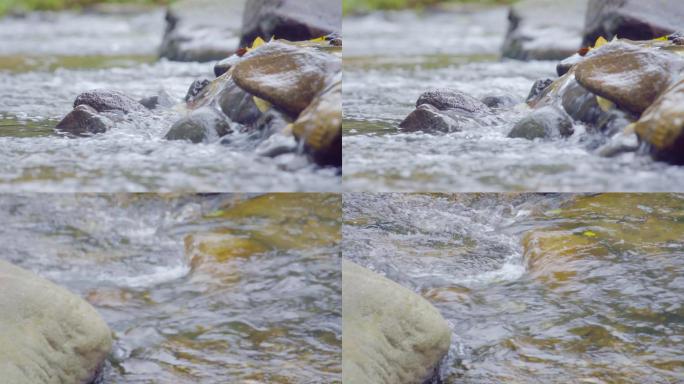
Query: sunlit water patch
(391, 58)
(537, 288)
(50, 58)
(196, 289)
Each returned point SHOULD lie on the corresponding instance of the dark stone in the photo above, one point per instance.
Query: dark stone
(82, 121)
(237, 104)
(544, 123)
(202, 125)
(500, 101)
(226, 64)
(632, 19)
(580, 104)
(195, 88)
(427, 118)
(150, 102)
(103, 100)
(566, 64)
(451, 99)
(537, 89)
(293, 20)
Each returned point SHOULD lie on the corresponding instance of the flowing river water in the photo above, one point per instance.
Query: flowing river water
(391, 58)
(210, 289)
(47, 59)
(537, 288)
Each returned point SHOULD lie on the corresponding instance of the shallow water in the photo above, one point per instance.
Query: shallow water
(47, 59)
(391, 58)
(209, 289)
(552, 289)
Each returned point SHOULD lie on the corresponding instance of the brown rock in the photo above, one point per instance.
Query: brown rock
(629, 75)
(287, 76)
(662, 126)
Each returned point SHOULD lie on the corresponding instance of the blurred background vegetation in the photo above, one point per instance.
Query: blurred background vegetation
(360, 6)
(52, 5)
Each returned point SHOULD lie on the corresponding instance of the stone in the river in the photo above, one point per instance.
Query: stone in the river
(566, 64)
(202, 125)
(47, 334)
(391, 334)
(285, 75)
(84, 120)
(544, 29)
(427, 118)
(537, 88)
(632, 19)
(579, 103)
(195, 88)
(293, 20)
(226, 64)
(162, 99)
(544, 123)
(500, 101)
(662, 126)
(629, 75)
(454, 100)
(202, 30)
(319, 127)
(104, 100)
(237, 104)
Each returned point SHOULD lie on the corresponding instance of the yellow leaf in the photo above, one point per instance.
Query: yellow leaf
(589, 234)
(600, 42)
(664, 38)
(605, 104)
(258, 42)
(262, 104)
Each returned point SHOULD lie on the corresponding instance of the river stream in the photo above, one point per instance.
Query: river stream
(537, 288)
(391, 58)
(197, 289)
(47, 59)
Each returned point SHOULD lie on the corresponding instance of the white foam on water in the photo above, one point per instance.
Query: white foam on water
(158, 275)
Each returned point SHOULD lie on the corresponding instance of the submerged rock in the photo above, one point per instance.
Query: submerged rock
(285, 75)
(84, 120)
(391, 335)
(319, 127)
(427, 118)
(538, 88)
(202, 30)
(629, 75)
(662, 126)
(195, 88)
(442, 110)
(544, 29)
(202, 125)
(500, 101)
(454, 100)
(47, 334)
(237, 104)
(293, 20)
(632, 19)
(104, 100)
(544, 123)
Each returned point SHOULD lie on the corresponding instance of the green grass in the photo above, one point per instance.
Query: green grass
(360, 6)
(55, 5)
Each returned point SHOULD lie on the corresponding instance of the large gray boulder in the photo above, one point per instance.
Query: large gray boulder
(391, 335)
(544, 29)
(47, 334)
(293, 20)
(202, 30)
(632, 19)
